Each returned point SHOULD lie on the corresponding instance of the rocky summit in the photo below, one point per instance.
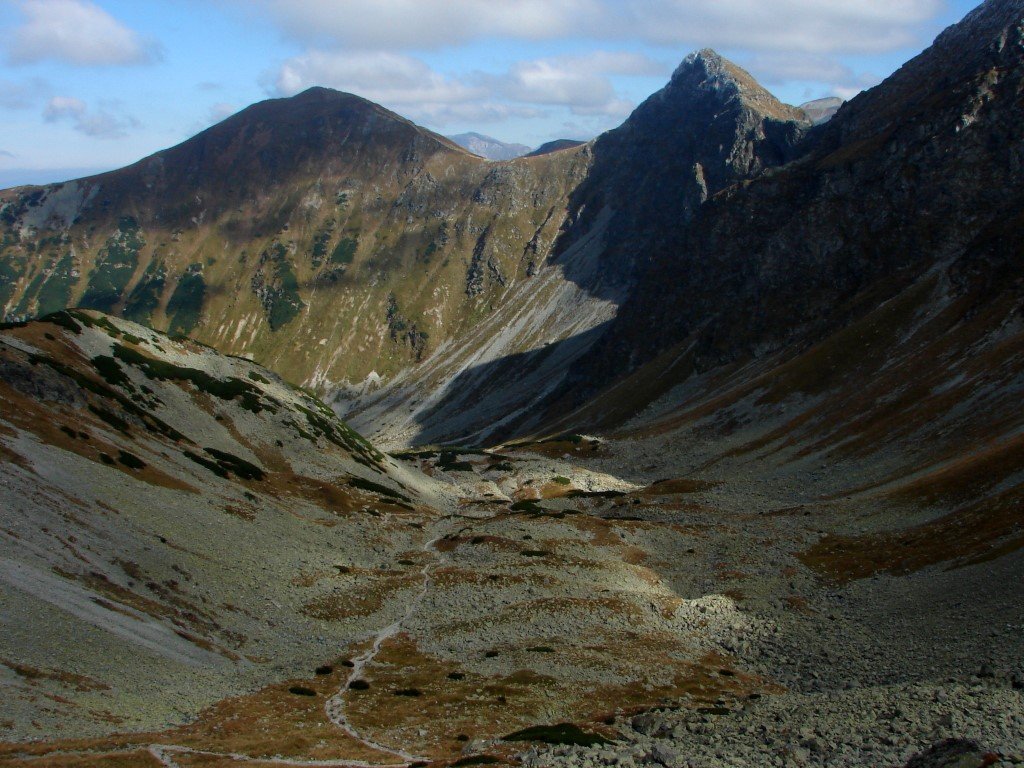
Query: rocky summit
(327, 441)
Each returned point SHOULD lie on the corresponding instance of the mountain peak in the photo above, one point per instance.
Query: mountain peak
(709, 72)
(714, 68)
(706, 58)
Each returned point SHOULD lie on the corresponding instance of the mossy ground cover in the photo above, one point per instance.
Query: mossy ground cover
(185, 306)
(344, 252)
(144, 299)
(50, 289)
(11, 269)
(225, 389)
(279, 293)
(115, 266)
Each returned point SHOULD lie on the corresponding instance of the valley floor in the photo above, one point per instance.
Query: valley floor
(672, 621)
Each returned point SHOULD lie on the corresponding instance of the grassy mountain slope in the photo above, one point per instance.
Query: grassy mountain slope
(321, 235)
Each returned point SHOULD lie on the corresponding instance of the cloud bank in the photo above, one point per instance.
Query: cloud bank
(76, 32)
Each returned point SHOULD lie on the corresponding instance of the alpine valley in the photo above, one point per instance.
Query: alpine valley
(325, 441)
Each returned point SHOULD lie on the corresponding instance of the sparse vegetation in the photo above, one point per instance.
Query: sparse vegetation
(344, 252)
(278, 292)
(234, 464)
(562, 733)
(225, 389)
(186, 303)
(144, 299)
(527, 505)
(55, 293)
(476, 760)
(64, 320)
(223, 464)
(114, 268)
(381, 490)
(108, 368)
(130, 460)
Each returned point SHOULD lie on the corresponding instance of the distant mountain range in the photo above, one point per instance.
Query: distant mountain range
(489, 147)
(822, 110)
(492, 149)
(555, 146)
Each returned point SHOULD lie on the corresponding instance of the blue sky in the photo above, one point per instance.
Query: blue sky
(89, 85)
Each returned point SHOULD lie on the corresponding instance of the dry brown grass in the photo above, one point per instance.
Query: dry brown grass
(968, 477)
(490, 707)
(675, 487)
(556, 449)
(135, 758)
(361, 600)
(45, 423)
(270, 722)
(982, 530)
(80, 683)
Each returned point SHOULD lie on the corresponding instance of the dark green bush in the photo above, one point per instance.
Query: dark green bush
(240, 467)
(562, 733)
(130, 460)
(111, 372)
(186, 303)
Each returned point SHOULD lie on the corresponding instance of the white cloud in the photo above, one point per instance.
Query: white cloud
(798, 26)
(527, 89)
(76, 32)
(399, 82)
(546, 81)
(474, 113)
(367, 46)
(837, 78)
(22, 95)
(794, 26)
(580, 83)
(100, 123)
(220, 111)
(61, 107)
(388, 78)
(418, 24)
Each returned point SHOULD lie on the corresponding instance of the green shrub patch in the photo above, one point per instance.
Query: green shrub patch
(562, 733)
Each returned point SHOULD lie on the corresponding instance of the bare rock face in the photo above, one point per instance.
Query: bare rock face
(916, 178)
(711, 126)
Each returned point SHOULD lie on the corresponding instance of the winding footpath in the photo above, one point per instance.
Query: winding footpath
(335, 706)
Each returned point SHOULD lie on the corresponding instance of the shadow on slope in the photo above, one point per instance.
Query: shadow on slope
(494, 399)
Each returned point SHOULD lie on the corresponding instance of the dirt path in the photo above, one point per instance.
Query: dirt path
(335, 706)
